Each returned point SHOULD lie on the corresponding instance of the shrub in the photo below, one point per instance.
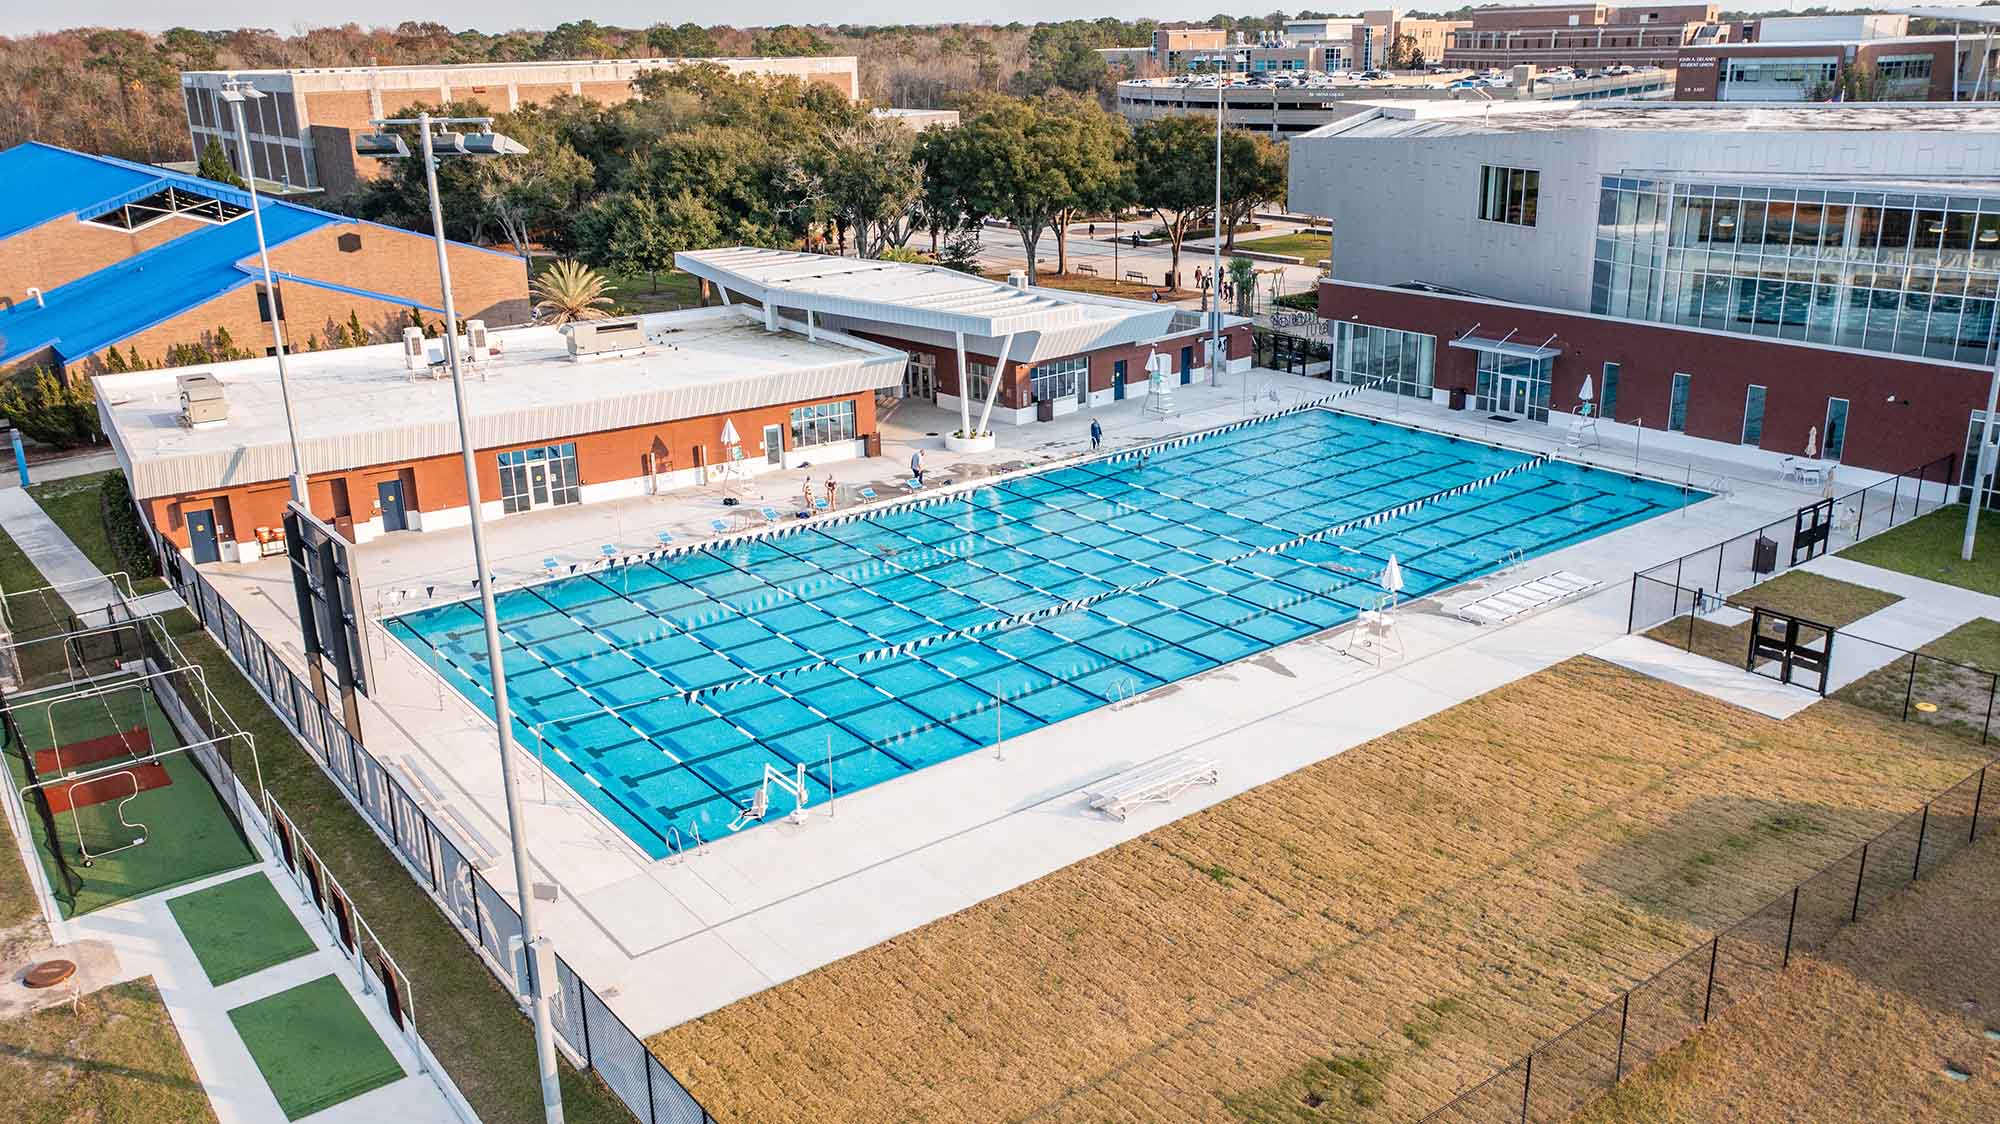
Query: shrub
(52, 410)
(127, 536)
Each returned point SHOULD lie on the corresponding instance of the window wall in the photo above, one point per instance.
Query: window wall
(1776, 79)
(1404, 362)
(978, 379)
(1513, 384)
(824, 424)
(540, 477)
(1063, 379)
(1902, 273)
(1509, 195)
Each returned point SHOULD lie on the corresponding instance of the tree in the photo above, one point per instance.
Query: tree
(639, 231)
(215, 165)
(579, 39)
(869, 178)
(527, 192)
(1243, 275)
(51, 409)
(688, 41)
(1404, 55)
(786, 41)
(1063, 56)
(1173, 176)
(569, 291)
(1092, 165)
(1254, 172)
(1029, 162)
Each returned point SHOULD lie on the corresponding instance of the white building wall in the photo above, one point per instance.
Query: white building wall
(1406, 208)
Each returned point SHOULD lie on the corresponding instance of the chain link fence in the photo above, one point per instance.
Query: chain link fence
(1589, 1059)
(588, 1030)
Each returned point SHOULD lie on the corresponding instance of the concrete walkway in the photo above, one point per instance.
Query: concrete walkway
(1927, 611)
(82, 586)
(1702, 675)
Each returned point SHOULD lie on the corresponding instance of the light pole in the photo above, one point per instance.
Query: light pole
(235, 91)
(541, 958)
(1215, 360)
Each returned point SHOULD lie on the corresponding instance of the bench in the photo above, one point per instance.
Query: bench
(1088, 269)
(1526, 598)
(1158, 782)
(1136, 277)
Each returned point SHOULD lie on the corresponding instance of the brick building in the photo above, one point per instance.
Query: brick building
(302, 131)
(553, 428)
(1585, 36)
(98, 253)
(1809, 58)
(1030, 353)
(1769, 277)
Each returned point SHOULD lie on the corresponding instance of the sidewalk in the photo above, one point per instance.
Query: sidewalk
(82, 586)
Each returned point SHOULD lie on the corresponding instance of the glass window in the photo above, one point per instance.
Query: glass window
(1059, 380)
(825, 424)
(1386, 358)
(1833, 441)
(543, 476)
(979, 376)
(1509, 195)
(1677, 407)
(1753, 415)
(1607, 395)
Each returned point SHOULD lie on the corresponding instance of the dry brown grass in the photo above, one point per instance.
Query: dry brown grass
(1354, 941)
(1797, 593)
(1958, 686)
(1869, 1024)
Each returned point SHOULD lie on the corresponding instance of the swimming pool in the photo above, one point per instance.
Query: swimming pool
(662, 689)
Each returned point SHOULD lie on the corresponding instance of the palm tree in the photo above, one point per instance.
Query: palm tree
(570, 290)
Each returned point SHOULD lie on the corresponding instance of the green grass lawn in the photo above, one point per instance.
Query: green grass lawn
(73, 504)
(1798, 593)
(1929, 548)
(1310, 248)
(116, 1060)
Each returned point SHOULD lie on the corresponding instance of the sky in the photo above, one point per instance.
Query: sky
(502, 15)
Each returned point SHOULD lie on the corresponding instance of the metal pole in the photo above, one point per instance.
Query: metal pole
(1978, 797)
(1624, 1016)
(1979, 461)
(503, 722)
(1527, 1083)
(1790, 923)
(1708, 997)
(1854, 914)
(1215, 269)
(271, 302)
(1923, 829)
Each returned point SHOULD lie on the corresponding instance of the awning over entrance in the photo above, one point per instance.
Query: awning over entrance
(1509, 347)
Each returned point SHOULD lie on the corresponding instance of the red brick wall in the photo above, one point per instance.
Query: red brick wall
(61, 250)
(402, 264)
(1014, 384)
(1798, 379)
(438, 483)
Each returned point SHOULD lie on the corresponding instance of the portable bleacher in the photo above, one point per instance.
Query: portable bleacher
(1158, 782)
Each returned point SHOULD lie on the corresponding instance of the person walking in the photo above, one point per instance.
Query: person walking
(832, 491)
(917, 467)
(1096, 434)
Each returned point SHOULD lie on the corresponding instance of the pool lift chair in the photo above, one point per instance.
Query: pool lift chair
(760, 801)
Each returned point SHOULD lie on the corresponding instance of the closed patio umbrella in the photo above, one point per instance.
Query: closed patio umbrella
(1392, 578)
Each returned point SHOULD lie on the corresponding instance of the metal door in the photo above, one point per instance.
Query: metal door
(1187, 365)
(389, 494)
(1790, 649)
(201, 533)
(538, 484)
(1118, 381)
(774, 444)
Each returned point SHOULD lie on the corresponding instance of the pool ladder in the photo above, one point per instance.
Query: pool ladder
(678, 850)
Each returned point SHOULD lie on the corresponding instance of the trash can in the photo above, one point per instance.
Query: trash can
(1764, 555)
(875, 444)
(1045, 410)
(1458, 398)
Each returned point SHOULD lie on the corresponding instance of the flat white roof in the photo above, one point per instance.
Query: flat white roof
(1456, 118)
(931, 303)
(361, 406)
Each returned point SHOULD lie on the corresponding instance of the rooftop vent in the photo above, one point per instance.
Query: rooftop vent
(595, 339)
(1018, 278)
(202, 402)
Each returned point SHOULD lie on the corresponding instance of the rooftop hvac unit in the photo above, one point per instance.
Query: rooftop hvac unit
(413, 349)
(475, 340)
(594, 339)
(202, 402)
(1018, 278)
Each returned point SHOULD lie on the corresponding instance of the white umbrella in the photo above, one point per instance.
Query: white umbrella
(1588, 392)
(1812, 442)
(729, 434)
(1392, 577)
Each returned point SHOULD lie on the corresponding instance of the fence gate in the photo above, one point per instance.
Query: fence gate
(1810, 528)
(1789, 649)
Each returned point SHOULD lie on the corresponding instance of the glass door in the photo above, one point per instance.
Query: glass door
(1515, 393)
(538, 484)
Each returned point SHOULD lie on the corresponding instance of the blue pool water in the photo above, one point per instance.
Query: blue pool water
(770, 634)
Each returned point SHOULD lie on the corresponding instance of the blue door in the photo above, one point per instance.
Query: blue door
(201, 533)
(389, 494)
(1118, 381)
(1187, 365)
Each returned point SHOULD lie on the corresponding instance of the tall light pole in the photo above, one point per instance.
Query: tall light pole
(1215, 359)
(235, 91)
(485, 143)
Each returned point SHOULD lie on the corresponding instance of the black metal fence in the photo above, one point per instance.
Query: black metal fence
(1590, 1058)
(589, 1031)
(1738, 563)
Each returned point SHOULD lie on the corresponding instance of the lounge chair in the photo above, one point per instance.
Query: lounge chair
(718, 526)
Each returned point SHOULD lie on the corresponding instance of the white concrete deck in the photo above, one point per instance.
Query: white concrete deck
(664, 943)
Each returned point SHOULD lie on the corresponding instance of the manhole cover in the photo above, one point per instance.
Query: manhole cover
(1927, 707)
(49, 973)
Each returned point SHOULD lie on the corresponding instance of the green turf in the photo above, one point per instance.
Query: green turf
(239, 928)
(314, 1047)
(189, 835)
(1929, 547)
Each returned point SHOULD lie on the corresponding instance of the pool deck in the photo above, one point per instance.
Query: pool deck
(665, 942)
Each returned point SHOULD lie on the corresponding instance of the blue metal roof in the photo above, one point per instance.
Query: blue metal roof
(100, 309)
(45, 182)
